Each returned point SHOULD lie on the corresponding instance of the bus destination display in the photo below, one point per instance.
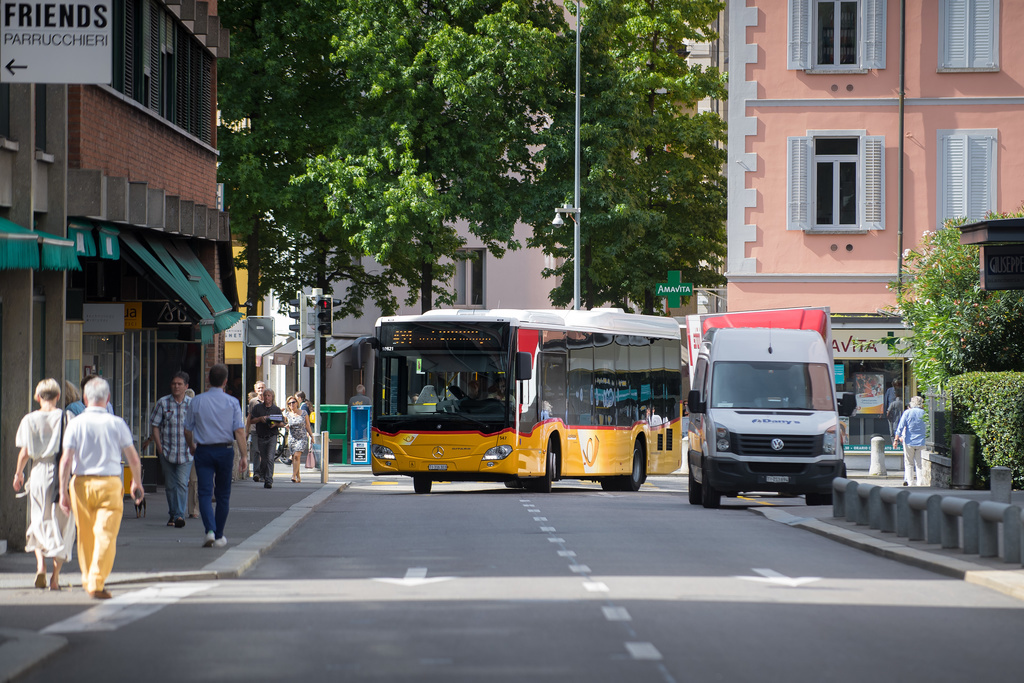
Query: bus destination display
(423, 337)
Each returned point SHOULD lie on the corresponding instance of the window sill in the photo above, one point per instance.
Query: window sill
(9, 145)
(832, 71)
(44, 157)
(837, 231)
(967, 69)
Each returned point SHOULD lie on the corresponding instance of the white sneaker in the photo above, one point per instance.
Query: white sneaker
(220, 542)
(211, 538)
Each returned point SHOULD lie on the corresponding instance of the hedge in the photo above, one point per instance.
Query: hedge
(990, 405)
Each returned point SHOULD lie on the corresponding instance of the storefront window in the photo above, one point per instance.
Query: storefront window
(873, 384)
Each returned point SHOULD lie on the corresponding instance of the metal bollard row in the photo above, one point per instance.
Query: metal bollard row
(948, 521)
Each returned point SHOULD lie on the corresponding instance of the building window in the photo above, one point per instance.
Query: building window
(161, 65)
(5, 110)
(968, 35)
(836, 182)
(966, 173)
(469, 279)
(827, 35)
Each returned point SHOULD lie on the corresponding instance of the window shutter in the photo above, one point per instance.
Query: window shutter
(799, 55)
(984, 34)
(873, 182)
(953, 34)
(130, 20)
(952, 177)
(980, 191)
(153, 96)
(798, 191)
(873, 34)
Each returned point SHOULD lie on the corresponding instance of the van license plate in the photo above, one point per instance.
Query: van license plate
(440, 467)
(775, 479)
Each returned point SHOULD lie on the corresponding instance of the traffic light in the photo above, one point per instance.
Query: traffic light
(296, 314)
(325, 314)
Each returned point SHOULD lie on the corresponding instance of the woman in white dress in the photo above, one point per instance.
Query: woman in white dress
(50, 533)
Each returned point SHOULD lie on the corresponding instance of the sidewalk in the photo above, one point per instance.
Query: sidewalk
(149, 550)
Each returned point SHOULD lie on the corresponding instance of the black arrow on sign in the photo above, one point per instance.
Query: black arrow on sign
(11, 66)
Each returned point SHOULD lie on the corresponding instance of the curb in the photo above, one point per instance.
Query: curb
(1009, 582)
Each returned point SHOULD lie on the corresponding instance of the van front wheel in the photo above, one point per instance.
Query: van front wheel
(710, 496)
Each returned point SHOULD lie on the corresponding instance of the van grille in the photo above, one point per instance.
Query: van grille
(761, 444)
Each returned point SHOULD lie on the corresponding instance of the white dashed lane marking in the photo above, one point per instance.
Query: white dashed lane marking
(643, 651)
(125, 609)
(616, 614)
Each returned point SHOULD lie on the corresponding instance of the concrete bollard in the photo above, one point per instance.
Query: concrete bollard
(839, 496)
(877, 457)
(852, 501)
(955, 510)
(1001, 484)
(991, 515)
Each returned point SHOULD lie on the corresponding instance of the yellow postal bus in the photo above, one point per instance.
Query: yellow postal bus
(527, 397)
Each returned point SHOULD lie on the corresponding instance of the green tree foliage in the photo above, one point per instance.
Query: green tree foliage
(653, 194)
(279, 94)
(444, 101)
(957, 327)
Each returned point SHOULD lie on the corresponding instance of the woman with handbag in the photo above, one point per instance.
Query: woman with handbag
(51, 532)
(299, 434)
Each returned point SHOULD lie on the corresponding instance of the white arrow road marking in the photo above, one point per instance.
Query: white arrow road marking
(416, 576)
(772, 576)
(124, 609)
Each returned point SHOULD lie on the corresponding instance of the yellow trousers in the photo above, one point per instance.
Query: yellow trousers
(98, 504)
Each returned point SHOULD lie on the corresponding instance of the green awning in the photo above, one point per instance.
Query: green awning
(23, 248)
(206, 301)
(81, 233)
(109, 248)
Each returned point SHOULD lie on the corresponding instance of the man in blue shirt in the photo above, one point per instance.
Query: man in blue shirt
(212, 422)
(911, 430)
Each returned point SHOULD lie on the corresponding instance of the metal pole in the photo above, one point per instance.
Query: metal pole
(318, 342)
(899, 193)
(576, 205)
(325, 443)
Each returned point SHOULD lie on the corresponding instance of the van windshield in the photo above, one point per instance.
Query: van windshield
(775, 386)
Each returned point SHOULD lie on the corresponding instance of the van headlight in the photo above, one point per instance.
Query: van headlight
(828, 443)
(722, 441)
(498, 452)
(382, 452)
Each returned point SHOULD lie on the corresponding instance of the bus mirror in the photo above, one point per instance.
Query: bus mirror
(524, 366)
(693, 402)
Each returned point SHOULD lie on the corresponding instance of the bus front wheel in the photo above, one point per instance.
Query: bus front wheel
(421, 484)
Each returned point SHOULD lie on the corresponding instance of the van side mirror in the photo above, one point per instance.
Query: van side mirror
(524, 366)
(694, 403)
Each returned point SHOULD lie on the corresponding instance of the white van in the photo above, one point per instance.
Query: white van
(763, 415)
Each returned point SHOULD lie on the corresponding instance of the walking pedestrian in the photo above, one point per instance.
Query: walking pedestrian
(93, 445)
(267, 418)
(255, 398)
(299, 436)
(167, 427)
(212, 422)
(77, 406)
(51, 532)
(911, 431)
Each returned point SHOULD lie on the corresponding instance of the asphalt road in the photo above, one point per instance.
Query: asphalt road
(477, 582)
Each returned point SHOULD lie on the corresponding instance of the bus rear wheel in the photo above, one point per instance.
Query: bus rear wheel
(421, 484)
(638, 474)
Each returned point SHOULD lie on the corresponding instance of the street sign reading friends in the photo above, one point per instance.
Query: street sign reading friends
(56, 42)
(674, 290)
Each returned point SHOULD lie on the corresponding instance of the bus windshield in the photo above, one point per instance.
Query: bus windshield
(444, 369)
(782, 386)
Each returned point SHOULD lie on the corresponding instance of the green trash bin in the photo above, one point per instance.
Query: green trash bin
(334, 421)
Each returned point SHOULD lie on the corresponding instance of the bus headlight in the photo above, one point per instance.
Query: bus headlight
(498, 452)
(829, 441)
(722, 442)
(383, 452)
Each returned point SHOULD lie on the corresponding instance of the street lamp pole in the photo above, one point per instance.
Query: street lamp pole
(574, 211)
(576, 179)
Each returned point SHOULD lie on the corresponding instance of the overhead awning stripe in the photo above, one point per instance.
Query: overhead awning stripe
(81, 233)
(109, 247)
(22, 248)
(223, 312)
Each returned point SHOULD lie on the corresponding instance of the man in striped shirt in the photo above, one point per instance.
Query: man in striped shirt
(168, 429)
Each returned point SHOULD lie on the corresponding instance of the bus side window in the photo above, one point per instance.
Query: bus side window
(552, 386)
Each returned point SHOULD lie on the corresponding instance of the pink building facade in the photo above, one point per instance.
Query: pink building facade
(814, 164)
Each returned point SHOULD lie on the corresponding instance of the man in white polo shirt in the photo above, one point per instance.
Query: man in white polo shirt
(93, 444)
